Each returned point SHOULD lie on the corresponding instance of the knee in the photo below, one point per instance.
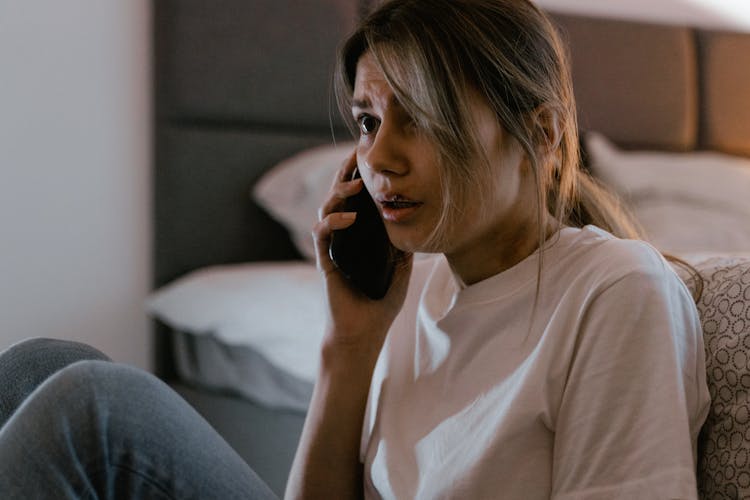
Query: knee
(69, 406)
(128, 405)
(50, 351)
(96, 388)
(102, 381)
(86, 416)
(96, 396)
(26, 365)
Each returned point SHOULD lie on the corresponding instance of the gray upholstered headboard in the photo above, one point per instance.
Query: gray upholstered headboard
(238, 86)
(241, 85)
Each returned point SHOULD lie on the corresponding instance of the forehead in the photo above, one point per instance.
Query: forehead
(370, 82)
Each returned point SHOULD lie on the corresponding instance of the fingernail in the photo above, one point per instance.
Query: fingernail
(348, 215)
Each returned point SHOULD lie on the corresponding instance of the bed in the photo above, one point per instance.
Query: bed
(246, 135)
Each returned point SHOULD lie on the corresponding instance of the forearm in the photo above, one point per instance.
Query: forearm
(327, 461)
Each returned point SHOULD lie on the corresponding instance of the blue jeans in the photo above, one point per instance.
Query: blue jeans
(75, 425)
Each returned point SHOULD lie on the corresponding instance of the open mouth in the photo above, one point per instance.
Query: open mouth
(397, 208)
(396, 204)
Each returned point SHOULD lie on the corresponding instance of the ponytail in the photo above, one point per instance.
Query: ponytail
(597, 205)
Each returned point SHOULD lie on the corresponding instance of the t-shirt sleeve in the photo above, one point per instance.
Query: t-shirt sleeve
(635, 396)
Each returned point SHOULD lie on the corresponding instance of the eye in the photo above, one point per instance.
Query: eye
(368, 124)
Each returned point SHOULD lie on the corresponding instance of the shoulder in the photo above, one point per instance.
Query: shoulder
(597, 269)
(606, 259)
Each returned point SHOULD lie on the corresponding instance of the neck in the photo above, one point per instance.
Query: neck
(497, 251)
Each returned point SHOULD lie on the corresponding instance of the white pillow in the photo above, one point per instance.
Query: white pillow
(293, 190)
(686, 202)
(275, 308)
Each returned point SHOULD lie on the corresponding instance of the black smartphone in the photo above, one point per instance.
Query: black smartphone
(362, 251)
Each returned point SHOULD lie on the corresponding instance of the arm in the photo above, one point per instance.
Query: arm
(327, 463)
(635, 395)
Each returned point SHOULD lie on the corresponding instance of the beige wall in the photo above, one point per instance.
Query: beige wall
(74, 173)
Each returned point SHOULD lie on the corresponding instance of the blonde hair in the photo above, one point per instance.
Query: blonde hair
(436, 53)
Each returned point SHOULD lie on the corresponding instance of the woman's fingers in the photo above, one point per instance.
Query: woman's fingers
(337, 196)
(332, 222)
(342, 188)
(322, 233)
(331, 215)
(346, 170)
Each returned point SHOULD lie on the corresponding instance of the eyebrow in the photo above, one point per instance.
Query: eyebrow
(365, 103)
(360, 103)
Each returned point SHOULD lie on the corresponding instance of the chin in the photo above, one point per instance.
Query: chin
(412, 246)
(411, 240)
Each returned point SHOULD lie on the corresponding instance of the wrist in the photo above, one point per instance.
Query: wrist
(349, 353)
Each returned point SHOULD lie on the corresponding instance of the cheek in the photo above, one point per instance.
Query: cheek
(360, 157)
(364, 172)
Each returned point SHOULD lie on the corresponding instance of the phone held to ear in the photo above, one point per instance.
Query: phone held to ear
(362, 251)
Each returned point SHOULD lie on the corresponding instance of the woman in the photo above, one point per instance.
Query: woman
(534, 356)
(538, 358)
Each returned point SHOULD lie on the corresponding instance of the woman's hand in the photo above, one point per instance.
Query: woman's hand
(354, 319)
(327, 464)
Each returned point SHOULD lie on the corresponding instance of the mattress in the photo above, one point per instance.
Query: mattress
(249, 330)
(240, 370)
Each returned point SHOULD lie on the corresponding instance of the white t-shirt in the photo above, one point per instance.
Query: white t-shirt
(601, 397)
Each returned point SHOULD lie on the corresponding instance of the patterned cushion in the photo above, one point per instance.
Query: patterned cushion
(724, 444)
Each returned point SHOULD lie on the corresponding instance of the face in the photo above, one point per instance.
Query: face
(401, 170)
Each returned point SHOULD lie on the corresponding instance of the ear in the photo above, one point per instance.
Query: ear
(547, 121)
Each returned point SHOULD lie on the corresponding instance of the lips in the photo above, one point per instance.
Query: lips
(397, 208)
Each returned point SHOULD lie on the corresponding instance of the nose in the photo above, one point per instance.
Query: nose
(388, 154)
